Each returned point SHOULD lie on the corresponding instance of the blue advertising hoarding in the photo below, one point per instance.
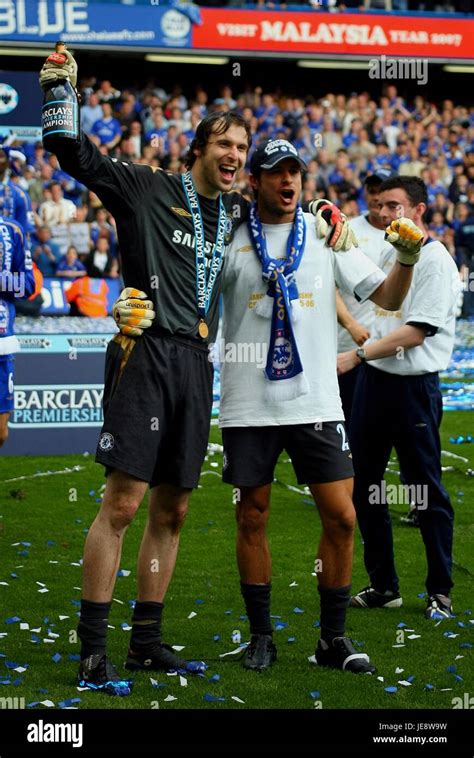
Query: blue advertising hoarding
(54, 298)
(79, 22)
(58, 394)
(20, 104)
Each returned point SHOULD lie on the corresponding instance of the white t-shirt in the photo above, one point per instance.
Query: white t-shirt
(431, 300)
(246, 335)
(100, 260)
(80, 236)
(52, 213)
(371, 242)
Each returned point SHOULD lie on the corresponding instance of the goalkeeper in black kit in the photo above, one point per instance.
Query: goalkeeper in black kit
(172, 231)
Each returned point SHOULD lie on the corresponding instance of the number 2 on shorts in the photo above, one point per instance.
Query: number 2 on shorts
(341, 430)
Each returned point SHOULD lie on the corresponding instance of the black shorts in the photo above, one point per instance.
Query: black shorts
(319, 453)
(157, 409)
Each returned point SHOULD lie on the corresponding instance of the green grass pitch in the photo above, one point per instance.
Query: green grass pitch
(43, 511)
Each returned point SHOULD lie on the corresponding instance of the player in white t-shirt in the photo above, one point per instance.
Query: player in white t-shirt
(356, 319)
(398, 403)
(260, 420)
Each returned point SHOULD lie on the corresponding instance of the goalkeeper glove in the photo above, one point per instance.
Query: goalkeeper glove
(133, 312)
(333, 225)
(406, 237)
(59, 66)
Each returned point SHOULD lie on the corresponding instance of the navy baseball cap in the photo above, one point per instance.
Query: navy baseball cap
(379, 176)
(271, 152)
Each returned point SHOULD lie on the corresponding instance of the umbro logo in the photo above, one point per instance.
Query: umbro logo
(182, 212)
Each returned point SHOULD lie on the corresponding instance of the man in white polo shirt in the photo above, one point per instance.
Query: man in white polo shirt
(293, 405)
(398, 403)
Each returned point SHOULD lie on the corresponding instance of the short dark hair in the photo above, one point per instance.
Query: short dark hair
(414, 187)
(216, 123)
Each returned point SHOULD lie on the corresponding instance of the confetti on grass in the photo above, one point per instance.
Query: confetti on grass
(236, 651)
(156, 684)
(69, 703)
(45, 473)
(213, 698)
(16, 666)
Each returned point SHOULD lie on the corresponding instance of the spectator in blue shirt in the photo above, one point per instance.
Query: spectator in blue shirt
(107, 129)
(46, 253)
(159, 129)
(101, 227)
(72, 189)
(70, 267)
(90, 113)
(437, 227)
(401, 155)
(383, 158)
(353, 135)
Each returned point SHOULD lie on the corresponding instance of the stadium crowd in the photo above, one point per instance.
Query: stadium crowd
(341, 137)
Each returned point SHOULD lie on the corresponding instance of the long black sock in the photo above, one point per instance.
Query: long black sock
(257, 604)
(92, 627)
(146, 625)
(334, 602)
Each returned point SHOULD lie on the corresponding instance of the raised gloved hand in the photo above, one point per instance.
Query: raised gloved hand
(133, 312)
(333, 225)
(59, 65)
(407, 238)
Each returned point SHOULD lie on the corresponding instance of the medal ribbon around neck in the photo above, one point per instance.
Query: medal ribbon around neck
(204, 287)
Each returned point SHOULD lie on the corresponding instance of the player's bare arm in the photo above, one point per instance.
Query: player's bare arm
(357, 331)
(405, 338)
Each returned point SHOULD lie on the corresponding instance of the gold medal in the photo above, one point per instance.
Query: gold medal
(203, 329)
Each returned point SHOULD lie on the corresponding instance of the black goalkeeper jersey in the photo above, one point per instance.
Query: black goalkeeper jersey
(155, 231)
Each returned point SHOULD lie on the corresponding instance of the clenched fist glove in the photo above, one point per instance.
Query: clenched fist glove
(133, 312)
(406, 237)
(333, 225)
(59, 66)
